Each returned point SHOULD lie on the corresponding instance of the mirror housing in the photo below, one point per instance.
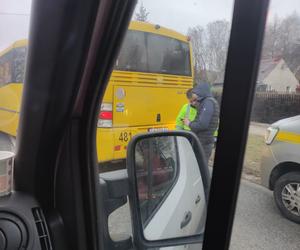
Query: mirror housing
(140, 241)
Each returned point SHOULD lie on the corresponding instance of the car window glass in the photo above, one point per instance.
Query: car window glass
(14, 27)
(161, 58)
(268, 207)
(147, 90)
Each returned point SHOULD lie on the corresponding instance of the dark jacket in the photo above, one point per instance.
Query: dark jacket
(206, 121)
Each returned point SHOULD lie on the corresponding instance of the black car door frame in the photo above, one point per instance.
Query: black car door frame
(71, 52)
(248, 24)
(72, 49)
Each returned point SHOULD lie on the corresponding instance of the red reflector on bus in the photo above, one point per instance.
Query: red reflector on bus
(118, 148)
(105, 115)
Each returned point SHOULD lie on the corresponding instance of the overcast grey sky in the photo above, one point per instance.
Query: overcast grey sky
(180, 15)
(14, 21)
(175, 14)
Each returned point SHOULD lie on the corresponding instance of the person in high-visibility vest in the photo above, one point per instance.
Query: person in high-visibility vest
(187, 111)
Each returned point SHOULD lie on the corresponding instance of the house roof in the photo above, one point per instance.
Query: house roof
(266, 67)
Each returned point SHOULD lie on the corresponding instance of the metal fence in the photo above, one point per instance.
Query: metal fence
(271, 107)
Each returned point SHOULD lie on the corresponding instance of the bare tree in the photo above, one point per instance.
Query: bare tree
(271, 47)
(210, 45)
(282, 36)
(196, 35)
(217, 35)
(282, 40)
(142, 15)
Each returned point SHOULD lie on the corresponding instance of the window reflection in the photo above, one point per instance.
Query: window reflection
(156, 162)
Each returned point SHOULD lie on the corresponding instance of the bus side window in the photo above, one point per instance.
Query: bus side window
(19, 64)
(5, 69)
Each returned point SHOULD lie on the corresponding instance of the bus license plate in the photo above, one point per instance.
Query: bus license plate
(157, 129)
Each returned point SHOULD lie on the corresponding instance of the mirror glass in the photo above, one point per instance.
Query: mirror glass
(170, 190)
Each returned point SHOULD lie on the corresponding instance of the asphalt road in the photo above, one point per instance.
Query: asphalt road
(258, 224)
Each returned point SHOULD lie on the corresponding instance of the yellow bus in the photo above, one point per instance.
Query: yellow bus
(145, 91)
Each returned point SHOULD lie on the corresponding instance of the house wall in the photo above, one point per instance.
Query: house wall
(281, 77)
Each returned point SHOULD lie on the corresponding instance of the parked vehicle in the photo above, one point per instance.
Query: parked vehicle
(154, 62)
(280, 169)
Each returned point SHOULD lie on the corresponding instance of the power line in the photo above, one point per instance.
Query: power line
(13, 14)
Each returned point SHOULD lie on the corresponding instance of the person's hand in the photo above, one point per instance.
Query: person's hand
(186, 122)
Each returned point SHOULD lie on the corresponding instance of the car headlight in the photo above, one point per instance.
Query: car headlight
(270, 135)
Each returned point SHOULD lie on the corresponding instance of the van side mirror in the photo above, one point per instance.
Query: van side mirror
(168, 188)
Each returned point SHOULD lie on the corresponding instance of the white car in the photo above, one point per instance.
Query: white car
(280, 168)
